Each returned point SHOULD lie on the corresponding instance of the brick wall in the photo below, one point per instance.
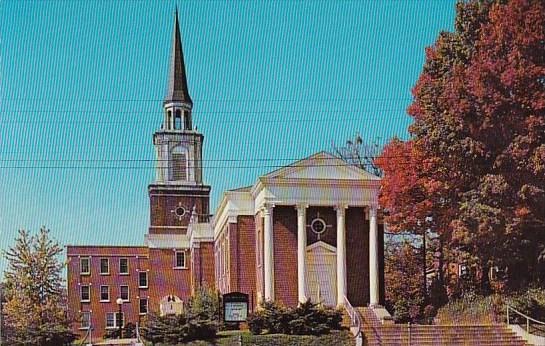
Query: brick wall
(163, 203)
(357, 256)
(285, 254)
(137, 259)
(164, 280)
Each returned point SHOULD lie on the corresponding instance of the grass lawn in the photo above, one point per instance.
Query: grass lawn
(234, 338)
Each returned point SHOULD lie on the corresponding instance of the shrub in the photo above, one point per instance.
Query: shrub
(306, 319)
(198, 322)
(128, 331)
(530, 302)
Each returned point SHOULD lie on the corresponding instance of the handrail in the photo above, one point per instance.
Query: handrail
(528, 318)
(355, 319)
(87, 334)
(138, 333)
(523, 315)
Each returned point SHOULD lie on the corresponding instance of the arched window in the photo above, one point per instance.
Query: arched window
(169, 120)
(186, 120)
(178, 120)
(178, 164)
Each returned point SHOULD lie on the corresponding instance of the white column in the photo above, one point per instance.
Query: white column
(373, 257)
(301, 251)
(268, 252)
(341, 255)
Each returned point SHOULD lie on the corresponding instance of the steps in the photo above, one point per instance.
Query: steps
(377, 333)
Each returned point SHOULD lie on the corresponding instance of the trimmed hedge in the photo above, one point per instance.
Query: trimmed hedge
(306, 319)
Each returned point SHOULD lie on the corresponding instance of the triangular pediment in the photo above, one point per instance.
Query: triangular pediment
(322, 165)
(321, 246)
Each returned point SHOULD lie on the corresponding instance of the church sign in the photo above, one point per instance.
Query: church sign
(235, 307)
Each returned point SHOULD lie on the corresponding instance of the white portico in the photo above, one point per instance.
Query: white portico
(320, 181)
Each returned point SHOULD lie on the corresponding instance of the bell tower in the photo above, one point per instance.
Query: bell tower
(178, 188)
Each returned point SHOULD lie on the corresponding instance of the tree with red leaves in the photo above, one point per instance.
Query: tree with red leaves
(478, 141)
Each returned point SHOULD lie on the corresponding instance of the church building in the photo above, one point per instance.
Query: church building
(310, 230)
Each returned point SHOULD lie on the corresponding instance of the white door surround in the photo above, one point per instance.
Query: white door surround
(321, 278)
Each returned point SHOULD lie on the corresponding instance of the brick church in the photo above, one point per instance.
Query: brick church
(309, 230)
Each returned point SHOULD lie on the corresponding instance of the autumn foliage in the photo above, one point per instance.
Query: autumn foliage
(473, 169)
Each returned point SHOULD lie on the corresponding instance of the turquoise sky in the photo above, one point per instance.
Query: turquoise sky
(82, 84)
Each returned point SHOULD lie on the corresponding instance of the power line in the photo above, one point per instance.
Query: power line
(202, 160)
(218, 100)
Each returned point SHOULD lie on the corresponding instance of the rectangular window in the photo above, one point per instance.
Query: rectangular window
(85, 320)
(124, 292)
(104, 293)
(104, 266)
(143, 279)
(114, 320)
(110, 320)
(179, 166)
(143, 306)
(123, 266)
(180, 259)
(85, 293)
(85, 266)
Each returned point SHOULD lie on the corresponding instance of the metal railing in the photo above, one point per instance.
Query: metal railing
(355, 319)
(529, 321)
(86, 336)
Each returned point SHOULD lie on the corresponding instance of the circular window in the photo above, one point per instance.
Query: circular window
(180, 211)
(318, 226)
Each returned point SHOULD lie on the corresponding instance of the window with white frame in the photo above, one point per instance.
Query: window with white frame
(85, 320)
(143, 306)
(124, 292)
(143, 279)
(104, 293)
(85, 293)
(104, 266)
(114, 320)
(123, 266)
(85, 266)
(179, 259)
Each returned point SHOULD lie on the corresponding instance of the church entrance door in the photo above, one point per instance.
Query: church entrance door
(321, 278)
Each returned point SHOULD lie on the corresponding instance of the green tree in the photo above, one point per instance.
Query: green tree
(35, 309)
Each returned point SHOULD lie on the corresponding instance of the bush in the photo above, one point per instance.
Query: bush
(198, 322)
(306, 319)
(530, 302)
(128, 331)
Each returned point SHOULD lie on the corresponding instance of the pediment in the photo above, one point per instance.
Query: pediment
(321, 245)
(321, 166)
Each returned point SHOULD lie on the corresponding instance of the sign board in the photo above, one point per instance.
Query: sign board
(235, 307)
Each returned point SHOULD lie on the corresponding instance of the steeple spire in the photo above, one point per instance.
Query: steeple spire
(177, 81)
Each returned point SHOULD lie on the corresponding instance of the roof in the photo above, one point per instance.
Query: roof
(321, 165)
(242, 189)
(177, 90)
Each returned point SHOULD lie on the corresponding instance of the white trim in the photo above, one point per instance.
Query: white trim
(147, 306)
(81, 293)
(323, 245)
(81, 320)
(81, 273)
(147, 283)
(116, 325)
(176, 259)
(100, 296)
(128, 268)
(128, 293)
(100, 265)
